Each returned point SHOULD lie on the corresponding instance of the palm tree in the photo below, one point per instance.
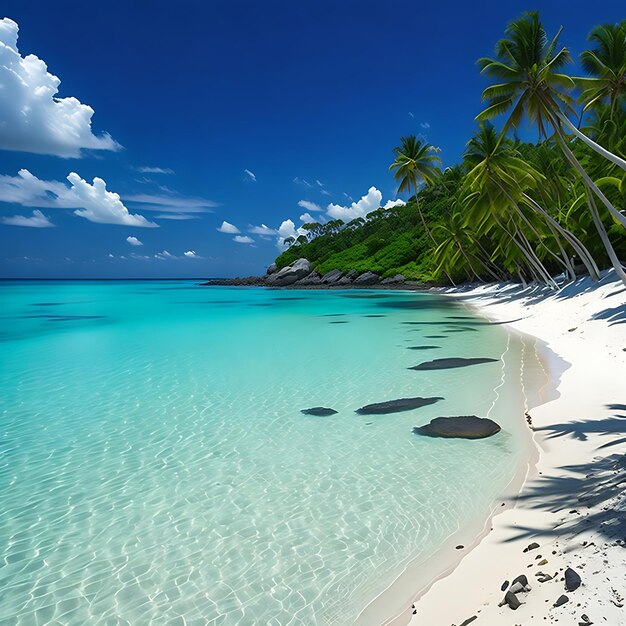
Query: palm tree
(606, 66)
(527, 67)
(416, 161)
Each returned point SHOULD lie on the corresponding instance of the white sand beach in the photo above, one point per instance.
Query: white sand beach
(573, 504)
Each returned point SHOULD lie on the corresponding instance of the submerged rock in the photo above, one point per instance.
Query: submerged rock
(461, 427)
(319, 411)
(396, 406)
(451, 363)
(422, 347)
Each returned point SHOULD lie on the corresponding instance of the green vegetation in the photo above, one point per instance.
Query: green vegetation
(509, 210)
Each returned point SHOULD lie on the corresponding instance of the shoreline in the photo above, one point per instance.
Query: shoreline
(572, 503)
(447, 557)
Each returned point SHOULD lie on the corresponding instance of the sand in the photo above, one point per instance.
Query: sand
(573, 503)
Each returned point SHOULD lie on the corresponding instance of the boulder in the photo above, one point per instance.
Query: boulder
(511, 599)
(561, 600)
(311, 279)
(395, 406)
(332, 277)
(393, 280)
(290, 274)
(319, 411)
(462, 427)
(367, 278)
(272, 269)
(344, 280)
(352, 274)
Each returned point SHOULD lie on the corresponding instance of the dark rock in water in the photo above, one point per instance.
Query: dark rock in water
(531, 546)
(435, 336)
(522, 580)
(395, 406)
(504, 585)
(367, 278)
(375, 315)
(451, 363)
(462, 427)
(469, 620)
(572, 579)
(561, 600)
(422, 347)
(511, 600)
(339, 322)
(319, 411)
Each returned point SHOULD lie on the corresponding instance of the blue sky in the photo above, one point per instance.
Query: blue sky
(309, 97)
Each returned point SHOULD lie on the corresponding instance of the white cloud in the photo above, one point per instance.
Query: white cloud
(32, 118)
(310, 206)
(425, 125)
(38, 220)
(307, 218)
(191, 254)
(243, 239)
(411, 114)
(250, 175)
(319, 183)
(133, 241)
(164, 256)
(368, 203)
(324, 192)
(285, 230)
(300, 181)
(91, 201)
(262, 230)
(170, 202)
(392, 203)
(175, 216)
(226, 227)
(145, 169)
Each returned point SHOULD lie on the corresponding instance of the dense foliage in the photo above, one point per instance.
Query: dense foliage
(509, 209)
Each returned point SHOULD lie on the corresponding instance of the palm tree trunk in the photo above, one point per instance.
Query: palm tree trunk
(584, 254)
(591, 143)
(615, 262)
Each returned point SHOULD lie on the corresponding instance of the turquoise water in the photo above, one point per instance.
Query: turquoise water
(155, 467)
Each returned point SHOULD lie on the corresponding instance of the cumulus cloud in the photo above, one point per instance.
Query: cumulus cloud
(307, 218)
(392, 203)
(368, 203)
(37, 220)
(250, 175)
(228, 228)
(133, 241)
(91, 201)
(243, 239)
(262, 230)
(310, 206)
(288, 229)
(191, 254)
(155, 170)
(32, 117)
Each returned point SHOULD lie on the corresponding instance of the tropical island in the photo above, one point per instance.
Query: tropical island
(510, 210)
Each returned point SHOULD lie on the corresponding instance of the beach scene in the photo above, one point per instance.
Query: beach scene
(277, 352)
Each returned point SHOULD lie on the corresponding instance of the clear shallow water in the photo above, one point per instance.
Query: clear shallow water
(155, 467)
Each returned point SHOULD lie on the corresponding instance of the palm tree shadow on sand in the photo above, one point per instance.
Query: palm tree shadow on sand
(593, 496)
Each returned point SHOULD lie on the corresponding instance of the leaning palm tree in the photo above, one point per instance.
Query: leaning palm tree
(530, 85)
(416, 161)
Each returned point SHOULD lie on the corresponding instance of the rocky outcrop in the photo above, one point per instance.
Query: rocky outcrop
(332, 277)
(393, 280)
(271, 269)
(311, 279)
(290, 273)
(462, 427)
(367, 278)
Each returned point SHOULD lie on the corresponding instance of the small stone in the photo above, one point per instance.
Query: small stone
(469, 620)
(531, 546)
(543, 562)
(504, 585)
(572, 579)
(561, 600)
(511, 599)
(460, 547)
(522, 579)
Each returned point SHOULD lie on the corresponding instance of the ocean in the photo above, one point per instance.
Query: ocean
(156, 468)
